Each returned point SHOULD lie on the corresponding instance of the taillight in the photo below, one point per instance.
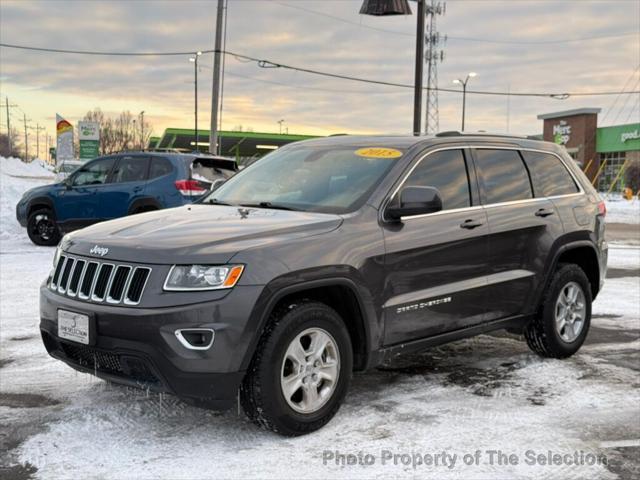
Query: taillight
(190, 188)
(602, 208)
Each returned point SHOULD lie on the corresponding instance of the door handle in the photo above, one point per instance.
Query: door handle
(470, 224)
(543, 212)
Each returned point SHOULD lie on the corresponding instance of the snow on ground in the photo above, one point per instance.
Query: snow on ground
(485, 393)
(620, 210)
(481, 394)
(624, 256)
(16, 177)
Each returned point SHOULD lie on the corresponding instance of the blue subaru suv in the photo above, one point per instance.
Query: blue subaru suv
(117, 185)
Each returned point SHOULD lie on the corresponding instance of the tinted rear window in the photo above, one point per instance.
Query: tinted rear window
(212, 169)
(504, 176)
(549, 175)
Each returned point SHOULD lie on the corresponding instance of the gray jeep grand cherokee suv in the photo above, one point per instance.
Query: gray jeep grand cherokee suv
(326, 257)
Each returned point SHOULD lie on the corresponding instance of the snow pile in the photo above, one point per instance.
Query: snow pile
(17, 168)
(16, 177)
(620, 210)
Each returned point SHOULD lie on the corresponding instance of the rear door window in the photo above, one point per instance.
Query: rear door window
(131, 169)
(549, 175)
(447, 171)
(159, 167)
(503, 175)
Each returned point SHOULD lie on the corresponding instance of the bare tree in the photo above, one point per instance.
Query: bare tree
(123, 132)
(15, 149)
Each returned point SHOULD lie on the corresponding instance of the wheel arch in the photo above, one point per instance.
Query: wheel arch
(40, 202)
(144, 203)
(339, 293)
(584, 254)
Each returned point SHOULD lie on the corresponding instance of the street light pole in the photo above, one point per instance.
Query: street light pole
(280, 122)
(195, 93)
(464, 93)
(401, 7)
(417, 90)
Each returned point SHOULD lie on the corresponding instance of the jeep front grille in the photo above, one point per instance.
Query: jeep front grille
(99, 281)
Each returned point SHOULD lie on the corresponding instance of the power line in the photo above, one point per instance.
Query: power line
(615, 101)
(263, 63)
(103, 53)
(559, 96)
(306, 87)
(624, 105)
(454, 37)
(634, 107)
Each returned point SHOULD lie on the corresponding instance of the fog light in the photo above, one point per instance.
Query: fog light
(196, 338)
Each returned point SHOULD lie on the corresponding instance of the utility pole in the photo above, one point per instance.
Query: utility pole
(38, 129)
(215, 93)
(9, 139)
(142, 130)
(194, 60)
(432, 57)
(26, 139)
(8, 125)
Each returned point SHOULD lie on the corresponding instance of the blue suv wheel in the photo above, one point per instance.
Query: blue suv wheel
(42, 228)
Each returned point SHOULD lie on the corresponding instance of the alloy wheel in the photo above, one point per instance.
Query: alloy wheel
(570, 312)
(310, 370)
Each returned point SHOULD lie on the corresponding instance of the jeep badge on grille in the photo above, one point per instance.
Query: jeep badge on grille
(96, 250)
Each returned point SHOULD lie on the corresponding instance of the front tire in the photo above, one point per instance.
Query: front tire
(301, 370)
(563, 319)
(42, 228)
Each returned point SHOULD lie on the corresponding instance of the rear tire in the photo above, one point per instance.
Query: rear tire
(42, 228)
(316, 384)
(564, 316)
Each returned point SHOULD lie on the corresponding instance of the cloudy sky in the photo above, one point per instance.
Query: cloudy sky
(519, 46)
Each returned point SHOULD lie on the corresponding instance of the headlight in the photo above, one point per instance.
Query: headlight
(202, 277)
(56, 257)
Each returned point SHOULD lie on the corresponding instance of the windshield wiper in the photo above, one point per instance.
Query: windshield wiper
(215, 201)
(273, 206)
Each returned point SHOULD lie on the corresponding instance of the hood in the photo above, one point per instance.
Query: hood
(195, 233)
(40, 190)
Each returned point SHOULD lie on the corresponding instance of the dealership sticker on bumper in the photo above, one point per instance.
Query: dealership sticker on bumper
(73, 326)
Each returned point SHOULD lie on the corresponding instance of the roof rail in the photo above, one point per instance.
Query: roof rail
(455, 133)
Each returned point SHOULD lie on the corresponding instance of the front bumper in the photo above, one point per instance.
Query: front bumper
(138, 346)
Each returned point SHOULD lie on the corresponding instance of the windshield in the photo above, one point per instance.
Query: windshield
(316, 179)
(69, 167)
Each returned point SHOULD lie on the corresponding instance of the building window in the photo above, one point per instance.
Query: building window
(614, 160)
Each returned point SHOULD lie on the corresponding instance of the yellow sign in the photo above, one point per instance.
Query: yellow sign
(377, 152)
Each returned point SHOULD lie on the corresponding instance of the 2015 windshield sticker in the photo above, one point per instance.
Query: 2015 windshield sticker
(378, 152)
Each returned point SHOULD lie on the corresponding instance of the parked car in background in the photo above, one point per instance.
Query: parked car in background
(118, 185)
(63, 170)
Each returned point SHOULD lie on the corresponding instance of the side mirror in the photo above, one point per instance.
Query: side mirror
(415, 201)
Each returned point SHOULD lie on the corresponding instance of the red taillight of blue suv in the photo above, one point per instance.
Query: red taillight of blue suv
(190, 188)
